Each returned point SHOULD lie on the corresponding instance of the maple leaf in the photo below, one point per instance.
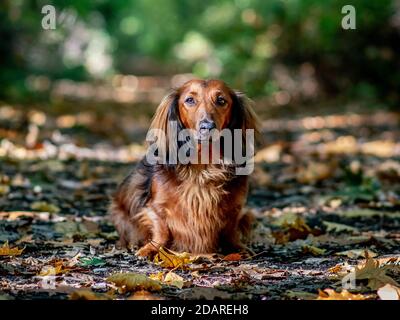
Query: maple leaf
(170, 259)
(5, 250)
(330, 294)
(374, 273)
(130, 281)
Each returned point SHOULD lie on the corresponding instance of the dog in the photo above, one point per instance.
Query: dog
(197, 208)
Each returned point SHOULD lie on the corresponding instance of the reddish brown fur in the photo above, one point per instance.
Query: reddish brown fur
(194, 208)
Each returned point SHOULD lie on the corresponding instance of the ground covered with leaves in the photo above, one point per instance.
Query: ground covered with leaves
(325, 191)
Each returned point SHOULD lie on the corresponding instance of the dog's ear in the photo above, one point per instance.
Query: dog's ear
(161, 116)
(243, 116)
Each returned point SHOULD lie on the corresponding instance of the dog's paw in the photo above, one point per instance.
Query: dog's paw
(148, 251)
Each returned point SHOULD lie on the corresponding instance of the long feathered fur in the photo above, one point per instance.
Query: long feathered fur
(195, 208)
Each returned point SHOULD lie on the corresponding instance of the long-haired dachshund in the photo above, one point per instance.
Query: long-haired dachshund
(188, 207)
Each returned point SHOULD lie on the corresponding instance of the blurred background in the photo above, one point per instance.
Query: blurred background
(91, 84)
(281, 52)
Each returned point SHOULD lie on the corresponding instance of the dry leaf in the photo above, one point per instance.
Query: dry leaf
(357, 253)
(294, 228)
(313, 250)
(233, 257)
(389, 292)
(134, 281)
(301, 295)
(170, 259)
(59, 267)
(144, 295)
(375, 274)
(157, 276)
(44, 206)
(338, 227)
(85, 294)
(170, 278)
(5, 250)
(315, 171)
(330, 294)
(175, 280)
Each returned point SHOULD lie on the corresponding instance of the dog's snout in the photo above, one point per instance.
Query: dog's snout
(207, 125)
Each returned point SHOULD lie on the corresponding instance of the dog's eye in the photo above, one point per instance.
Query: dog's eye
(189, 101)
(221, 101)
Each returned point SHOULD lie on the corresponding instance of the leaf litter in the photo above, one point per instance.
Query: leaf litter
(323, 210)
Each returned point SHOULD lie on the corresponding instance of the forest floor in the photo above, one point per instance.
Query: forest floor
(325, 191)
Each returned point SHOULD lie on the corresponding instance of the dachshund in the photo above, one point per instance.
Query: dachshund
(188, 207)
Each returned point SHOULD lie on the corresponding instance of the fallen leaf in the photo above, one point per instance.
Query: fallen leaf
(338, 227)
(170, 259)
(85, 294)
(144, 295)
(4, 189)
(5, 250)
(315, 172)
(374, 273)
(96, 262)
(294, 228)
(173, 279)
(302, 295)
(233, 257)
(313, 250)
(44, 206)
(357, 253)
(389, 292)
(134, 281)
(330, 294)
(170, 278)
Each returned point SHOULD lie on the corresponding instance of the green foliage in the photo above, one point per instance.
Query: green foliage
(239, 41)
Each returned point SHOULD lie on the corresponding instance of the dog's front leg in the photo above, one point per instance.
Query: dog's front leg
(159, 235)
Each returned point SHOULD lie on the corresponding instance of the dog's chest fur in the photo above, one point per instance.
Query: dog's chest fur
(196, 207)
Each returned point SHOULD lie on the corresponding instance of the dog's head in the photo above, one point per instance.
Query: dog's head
(204, 105)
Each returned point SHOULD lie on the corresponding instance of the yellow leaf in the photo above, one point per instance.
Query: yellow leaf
(330, 294)
(157, 276)
(389, 292)
(44, 207)
(134, 281)
(313, 250)
(170, 259)
(5, 250)
(175, 280)
(58, 267)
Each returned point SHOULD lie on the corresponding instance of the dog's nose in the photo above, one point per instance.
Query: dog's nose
(207, 125)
